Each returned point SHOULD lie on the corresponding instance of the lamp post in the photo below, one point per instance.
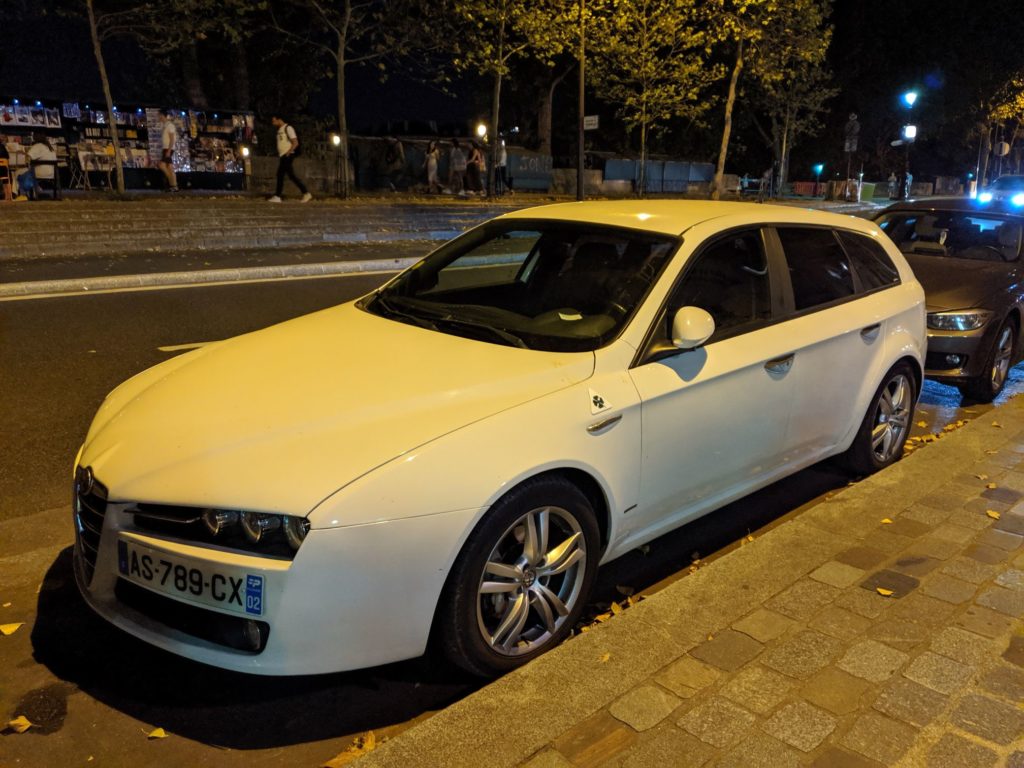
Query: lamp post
(817, 176)
(908, 135)
(579, 126)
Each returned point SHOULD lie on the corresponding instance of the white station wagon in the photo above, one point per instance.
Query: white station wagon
(451, 457)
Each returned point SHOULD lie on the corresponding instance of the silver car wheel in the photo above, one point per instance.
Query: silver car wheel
(1002, 357)
(531, 581)
(892, 418)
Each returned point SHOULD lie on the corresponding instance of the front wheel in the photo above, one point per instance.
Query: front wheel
(879, 441)
(522, 578)
(990, 383)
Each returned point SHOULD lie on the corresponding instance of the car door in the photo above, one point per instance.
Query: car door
(839, 322)
(714, 418)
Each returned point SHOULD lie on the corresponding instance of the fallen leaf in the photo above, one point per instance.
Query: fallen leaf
(359, 747)
(10, 629)
(749, 537)
(604, 657)
(992, 452)
(997, 424)
(949, 428)
(992, 513)
(20, 724)
(711, 637)
(616, 609)
(7, 605)
(982, 477)
(603, 617)
(922, 424)
(990, 486)
(886, 521)
(883, 591)
(157, 733)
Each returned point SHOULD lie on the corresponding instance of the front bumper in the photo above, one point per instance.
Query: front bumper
(972, 347)
(353, 597)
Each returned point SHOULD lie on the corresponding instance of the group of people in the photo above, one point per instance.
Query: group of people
(42, 164)
(466, 170)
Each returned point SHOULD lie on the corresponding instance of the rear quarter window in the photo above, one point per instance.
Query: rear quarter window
(869, 261)
(819, 269)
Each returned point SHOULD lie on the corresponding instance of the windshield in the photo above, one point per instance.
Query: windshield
(545, 285)
(1008, 182)
(954, 234)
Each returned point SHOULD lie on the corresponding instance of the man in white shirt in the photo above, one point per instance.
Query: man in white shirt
(168, 138)
(287, 149)
(42, 164)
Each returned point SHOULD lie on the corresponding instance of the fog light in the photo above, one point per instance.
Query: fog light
(295, 530)
(216, 520)
(255, 524)
(954, 361)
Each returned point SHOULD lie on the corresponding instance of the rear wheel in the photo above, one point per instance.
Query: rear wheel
(880, 439)
(986, 387)
(522, 579)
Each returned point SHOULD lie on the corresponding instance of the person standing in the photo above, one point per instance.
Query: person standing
(474, 167)
(287, 151)
(168, 138)
(430, 163)
(502, 180)
(457, 169)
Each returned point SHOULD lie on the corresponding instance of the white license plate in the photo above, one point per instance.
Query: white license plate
(228, 589)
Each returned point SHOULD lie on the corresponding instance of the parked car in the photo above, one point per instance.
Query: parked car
(967, 257)
(453, 455)
(1005, 188)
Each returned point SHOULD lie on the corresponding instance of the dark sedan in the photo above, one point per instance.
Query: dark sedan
(967, 255)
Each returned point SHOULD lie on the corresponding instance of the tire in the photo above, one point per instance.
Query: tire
(534, 593)
(880, 439)
(986, 387)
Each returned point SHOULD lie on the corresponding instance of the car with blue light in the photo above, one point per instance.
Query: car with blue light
(1004, 189)
(967, 255)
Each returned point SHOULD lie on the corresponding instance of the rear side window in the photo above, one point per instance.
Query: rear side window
(872, 264)
(818, 267)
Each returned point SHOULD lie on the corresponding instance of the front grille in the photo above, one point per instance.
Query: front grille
(90, 506)
(235, 632)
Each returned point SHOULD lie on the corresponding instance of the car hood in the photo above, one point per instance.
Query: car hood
(959, 283)
(279, 419)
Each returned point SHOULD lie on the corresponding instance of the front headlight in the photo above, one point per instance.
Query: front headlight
(967, 320)
(985, 197)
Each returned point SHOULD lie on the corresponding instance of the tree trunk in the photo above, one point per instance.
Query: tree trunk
(716, 187)
(783, 154)
(545, 111)
(240, 69)
(111, 117)
(495, 109)
(342, 124)
(642, 188)
(192, 76)
(985, 149)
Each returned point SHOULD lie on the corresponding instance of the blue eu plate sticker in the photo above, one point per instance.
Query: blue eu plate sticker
(254, 595)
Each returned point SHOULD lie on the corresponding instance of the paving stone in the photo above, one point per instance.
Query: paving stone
(1019, 562)
(728, 650)
(757, 688)
(939, 673)
(926, 514)
(924, 610)
(952, 751)
(961, 645)
(989, 718)
(1011, 579)
(668, 747)
(899, 584)
(800, 725)
(889, 543)
(1004, 681)
(1016, 760)
(834, 757)
(930, 546)
(994, 537)
(1014, 652)
(804, 599)
(864, 558)
(872, 661)
(1011, 524)
(879, 738)
(980, 506)
(687, 676)
(835, 690)
(958, 534)
(948, 589)
(839, 622)
(871, 605)
(969, 570)
(717, 722)
(986, 554)
(763, 625)
(838, 574)
(911, 702)
(549, 758)
(595, 741)
(803, 655)
(983, 621)
(904, 526)
(974, 516)
(1008, 601)
(1005, 495)
(937, 500)
(900, 634)
(644, 707)
(760, 751)
(916, 565)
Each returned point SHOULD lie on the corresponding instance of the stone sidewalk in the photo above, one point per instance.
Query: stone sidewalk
(882, 627)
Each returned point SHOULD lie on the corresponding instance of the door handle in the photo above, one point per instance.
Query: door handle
(597, 426)
(780, 364)
(870, 332)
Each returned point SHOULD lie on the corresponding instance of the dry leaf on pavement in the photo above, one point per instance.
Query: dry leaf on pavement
(992, 513)
(7, 605)
(10, 629)
(982, 477)
(990, 486)
(884, 592)
(604, 657)
(922, 424)
(359, 747)
(20, 724)
(886, 521)
(157, 733)
(996, 424)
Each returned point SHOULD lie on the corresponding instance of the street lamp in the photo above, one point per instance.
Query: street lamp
(817, 176)
(481, 130)
(335, 140)
(909, 99)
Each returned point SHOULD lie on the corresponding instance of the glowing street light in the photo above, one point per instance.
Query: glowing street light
(909, 132)
(481, 130)
(817, 176)
(909, 98)
(335, 140)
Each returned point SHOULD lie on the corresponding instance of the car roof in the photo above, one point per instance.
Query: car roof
(958, 204)
(673, 217)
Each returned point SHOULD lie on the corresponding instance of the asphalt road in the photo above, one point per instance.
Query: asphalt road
(59, 357)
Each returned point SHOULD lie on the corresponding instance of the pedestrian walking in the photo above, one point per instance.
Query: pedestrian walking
(502, 179)
(430, 162)
(457, 169)
(475, 168)
(394, 163)
(287, 150)
(168, 138)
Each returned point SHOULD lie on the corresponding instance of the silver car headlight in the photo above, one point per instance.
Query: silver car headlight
(963, 320)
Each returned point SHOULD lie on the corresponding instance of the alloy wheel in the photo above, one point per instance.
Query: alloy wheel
(1001, 359)
(892, 417)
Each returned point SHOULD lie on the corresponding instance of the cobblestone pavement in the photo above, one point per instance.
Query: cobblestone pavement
(882, 627)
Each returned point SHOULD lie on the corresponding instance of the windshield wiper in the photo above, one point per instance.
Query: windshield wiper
(392, 311)
(501, 333)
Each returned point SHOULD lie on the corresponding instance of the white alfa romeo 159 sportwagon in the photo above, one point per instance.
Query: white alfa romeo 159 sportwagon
(452, 456)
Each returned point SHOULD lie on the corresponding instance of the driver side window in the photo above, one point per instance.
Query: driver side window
(729, 279)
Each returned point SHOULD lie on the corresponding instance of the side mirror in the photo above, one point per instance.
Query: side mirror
(691, 327)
